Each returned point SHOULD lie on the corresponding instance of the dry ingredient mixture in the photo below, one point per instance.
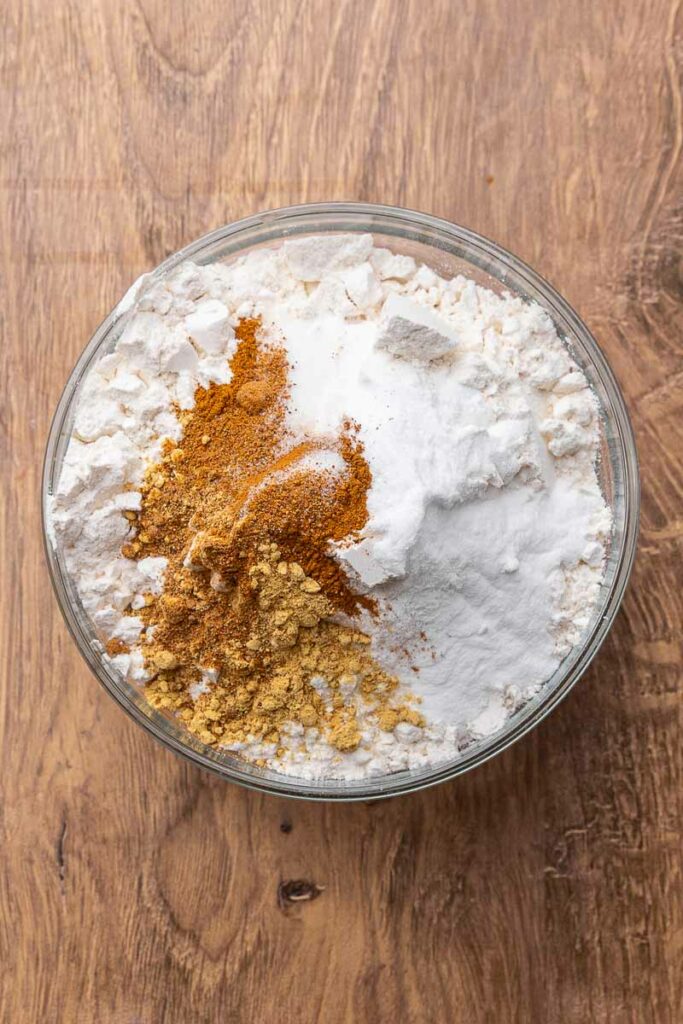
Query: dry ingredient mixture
(338, 514)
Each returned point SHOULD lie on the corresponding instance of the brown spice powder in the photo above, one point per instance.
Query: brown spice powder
(251, 585)
(267, 680)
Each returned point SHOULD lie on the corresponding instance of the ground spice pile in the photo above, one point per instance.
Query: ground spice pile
(244, 639)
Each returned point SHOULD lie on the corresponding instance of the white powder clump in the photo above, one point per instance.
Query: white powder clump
(487, 533)
(314, 257)
(411, 331)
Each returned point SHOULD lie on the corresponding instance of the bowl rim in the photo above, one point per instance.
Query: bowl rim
(490, 255)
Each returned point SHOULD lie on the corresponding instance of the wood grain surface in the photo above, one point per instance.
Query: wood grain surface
(544, 887)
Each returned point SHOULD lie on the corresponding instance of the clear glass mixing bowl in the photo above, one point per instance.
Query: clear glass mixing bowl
(449, 250)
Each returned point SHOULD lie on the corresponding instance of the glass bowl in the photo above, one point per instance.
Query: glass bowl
(448, 249)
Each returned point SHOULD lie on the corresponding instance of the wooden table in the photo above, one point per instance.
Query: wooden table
(544, 887)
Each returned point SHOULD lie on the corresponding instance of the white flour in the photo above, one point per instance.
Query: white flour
(486, 538)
